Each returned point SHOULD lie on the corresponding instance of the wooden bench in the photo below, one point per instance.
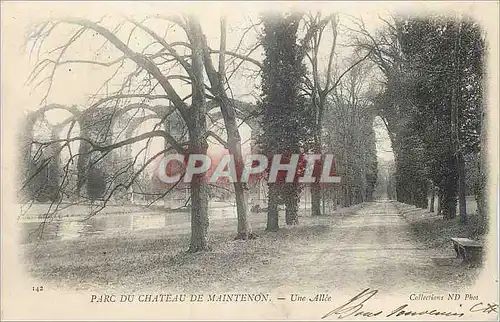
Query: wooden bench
(468, 249)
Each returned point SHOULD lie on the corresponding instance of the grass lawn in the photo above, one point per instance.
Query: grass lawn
(435, 232)
(156, 258)
(367, 244)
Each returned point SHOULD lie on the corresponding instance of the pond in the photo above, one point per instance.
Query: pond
(73, 223)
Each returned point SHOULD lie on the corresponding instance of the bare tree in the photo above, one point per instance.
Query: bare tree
(322, 83)
(156, 67)
(217, 81)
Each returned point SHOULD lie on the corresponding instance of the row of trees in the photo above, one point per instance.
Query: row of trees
(311, 106)
(432, 104)
(350, 136)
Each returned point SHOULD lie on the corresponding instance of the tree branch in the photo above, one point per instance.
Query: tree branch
(100, 148)
(168, 47)
(347, 70)
(222, 56)
(240, 56)
(218, 138)
(139, 59)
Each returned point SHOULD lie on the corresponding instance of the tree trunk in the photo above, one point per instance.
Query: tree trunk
(244, 228)
(198, 145)
(457, 149)
(323, 201)
(449, 207)
(292, 196)
(421, 193)
(462, 205)
(315, 199)
(483, 177)
(234, 139)
(291, 214)
(346, 203)
(272, 207)
(199, 217)
(433, 197)
(449, 193)
(315, 187)
(335, 198)
(440, 197)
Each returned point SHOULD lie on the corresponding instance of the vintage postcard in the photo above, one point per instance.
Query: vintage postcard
(249, 160)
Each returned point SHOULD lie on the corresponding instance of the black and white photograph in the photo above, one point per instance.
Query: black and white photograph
(249, 160)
